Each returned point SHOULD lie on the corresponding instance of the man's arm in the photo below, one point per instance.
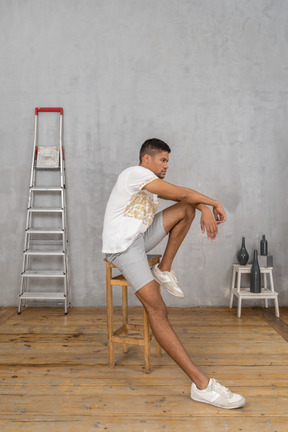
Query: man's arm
(169, 191)
(172, 192)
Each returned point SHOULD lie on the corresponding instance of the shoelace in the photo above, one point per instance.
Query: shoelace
(174, 277)
(220, 388)
(172, 274)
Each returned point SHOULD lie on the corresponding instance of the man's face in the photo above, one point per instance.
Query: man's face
(159, 164)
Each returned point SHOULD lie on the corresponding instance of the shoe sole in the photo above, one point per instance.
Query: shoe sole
(218, 405)
(170, 292)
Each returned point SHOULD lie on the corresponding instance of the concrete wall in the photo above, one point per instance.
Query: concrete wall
(208, 76)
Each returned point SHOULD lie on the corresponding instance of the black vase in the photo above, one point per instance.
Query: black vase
(255, 277)
(263, 246)
(243, 255)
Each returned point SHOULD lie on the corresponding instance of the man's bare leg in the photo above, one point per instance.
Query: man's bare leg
(177, 220)
(156, 309)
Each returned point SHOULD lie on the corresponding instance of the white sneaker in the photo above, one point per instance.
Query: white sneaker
(167, 280)
(218, 395)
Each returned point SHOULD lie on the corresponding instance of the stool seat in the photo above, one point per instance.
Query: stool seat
(244, 293)
(121, 335)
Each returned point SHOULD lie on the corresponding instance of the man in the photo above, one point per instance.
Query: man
(131, 229)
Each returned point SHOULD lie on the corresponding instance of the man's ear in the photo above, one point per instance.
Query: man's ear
(146, 159)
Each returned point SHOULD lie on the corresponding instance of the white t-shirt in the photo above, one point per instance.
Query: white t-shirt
(130, 209)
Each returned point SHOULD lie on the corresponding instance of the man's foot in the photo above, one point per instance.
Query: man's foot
(218, 395)
(167, 280)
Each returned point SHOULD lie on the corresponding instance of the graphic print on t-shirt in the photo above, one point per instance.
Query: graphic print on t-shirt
(141, 206)
(130, 209)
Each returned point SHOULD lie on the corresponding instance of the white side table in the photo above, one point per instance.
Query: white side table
(244, 293)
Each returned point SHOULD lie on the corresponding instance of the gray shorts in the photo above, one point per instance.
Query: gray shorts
(132, 263)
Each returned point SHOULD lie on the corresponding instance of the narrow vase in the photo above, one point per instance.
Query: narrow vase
(255, 276)
(263, 246)
(243, 255)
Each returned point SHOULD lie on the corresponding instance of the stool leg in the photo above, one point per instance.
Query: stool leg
(109, 295)
(146, 342)
(265, 281)
(265, 287)
(125, 315)
(232, 286)
(158, 346)
(239, 294)
(277, 313)
(239, 307)
(271, 281)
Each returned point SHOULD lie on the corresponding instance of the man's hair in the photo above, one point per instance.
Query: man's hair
(153, 146)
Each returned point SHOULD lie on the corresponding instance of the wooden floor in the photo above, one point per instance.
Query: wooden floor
(54, 374)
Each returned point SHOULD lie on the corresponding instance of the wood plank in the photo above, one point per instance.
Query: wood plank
(128, 387)
(87, 374)
(96, 356)
(6, 314)
(187, 337)
(284, 314)
(73, 406)
(161, 373)
(144, 424)
(276, 323)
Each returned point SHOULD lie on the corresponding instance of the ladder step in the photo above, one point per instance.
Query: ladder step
(57, 168)
(44, 252)
(44, 231)
(46, 189)
(43, 295)
(45, 210)
(45, 274)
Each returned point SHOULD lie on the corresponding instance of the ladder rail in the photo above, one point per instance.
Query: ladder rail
(61, 151)
(34, 154)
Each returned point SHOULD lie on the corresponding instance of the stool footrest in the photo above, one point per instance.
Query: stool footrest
(122, 329)
(129, 340)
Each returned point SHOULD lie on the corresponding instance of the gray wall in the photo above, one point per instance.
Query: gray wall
(208, 76)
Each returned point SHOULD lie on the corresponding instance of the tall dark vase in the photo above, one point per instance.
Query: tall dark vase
(243, 255)
(255, 277)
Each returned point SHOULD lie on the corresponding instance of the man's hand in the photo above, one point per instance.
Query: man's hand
(209, 223)
(219, 214)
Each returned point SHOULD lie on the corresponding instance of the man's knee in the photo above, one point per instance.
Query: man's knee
(189, 212)
(180, 212)
(159, 310)
(151, 299)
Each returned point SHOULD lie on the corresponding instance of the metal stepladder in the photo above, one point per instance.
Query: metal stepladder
(44, 274)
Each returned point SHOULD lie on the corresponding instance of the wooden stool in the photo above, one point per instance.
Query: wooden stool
(121, 335)
(244, 293)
